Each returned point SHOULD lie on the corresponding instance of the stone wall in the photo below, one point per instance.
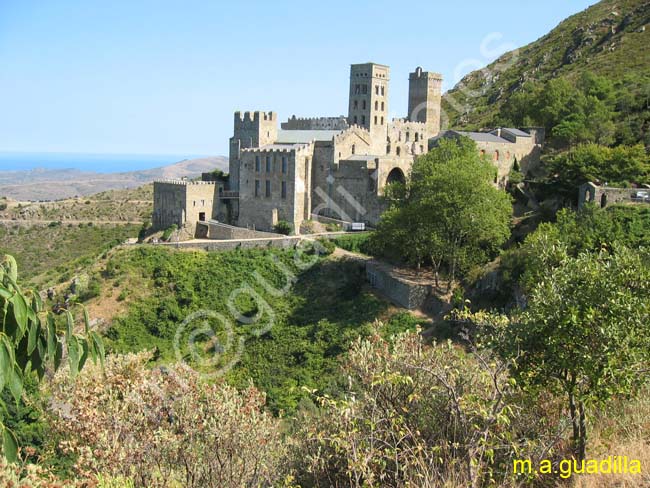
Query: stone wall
(184, 203)
(395, 285)
(604, 196)
(315, 123)
(221, 231)
(262, 212)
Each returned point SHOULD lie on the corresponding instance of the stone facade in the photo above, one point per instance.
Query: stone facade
(504, 146)
(604, 196)
(335, 167)
(184, 203)
(401, 286)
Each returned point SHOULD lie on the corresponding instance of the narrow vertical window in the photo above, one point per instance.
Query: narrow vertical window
(257, 188)
(257, 164)
(268, 164)
(268, 188)
(284, 164)
(284, 189)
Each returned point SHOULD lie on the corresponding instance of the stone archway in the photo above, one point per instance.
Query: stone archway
(396, 175)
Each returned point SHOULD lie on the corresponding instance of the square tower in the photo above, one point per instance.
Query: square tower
(368, 106)
(425, 92)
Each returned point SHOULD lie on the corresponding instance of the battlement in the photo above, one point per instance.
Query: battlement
(315, 123)
(249, 119)
(276, 149)
(183, 182)
(419, 74)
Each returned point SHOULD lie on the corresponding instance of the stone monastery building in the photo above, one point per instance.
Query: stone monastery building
(336, 167)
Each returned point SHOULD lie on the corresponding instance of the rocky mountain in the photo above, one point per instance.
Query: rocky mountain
(610, 38)
(55, 184)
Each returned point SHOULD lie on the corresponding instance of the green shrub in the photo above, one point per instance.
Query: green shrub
(354, 242)
(166, 235)
(283, 227)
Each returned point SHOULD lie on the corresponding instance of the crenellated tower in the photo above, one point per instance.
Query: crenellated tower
(425, 93)
(251, 129)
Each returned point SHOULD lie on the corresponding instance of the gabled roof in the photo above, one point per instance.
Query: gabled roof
(478, 136)
(515, 132)
(303, 136)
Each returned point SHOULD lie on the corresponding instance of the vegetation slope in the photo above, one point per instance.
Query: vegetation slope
(609, 39)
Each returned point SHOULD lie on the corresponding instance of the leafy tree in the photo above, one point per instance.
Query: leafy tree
(584, 332)
(30, 343)
(593, 162)
(449, 213)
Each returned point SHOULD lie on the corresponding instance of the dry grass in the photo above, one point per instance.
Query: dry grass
(622, 430)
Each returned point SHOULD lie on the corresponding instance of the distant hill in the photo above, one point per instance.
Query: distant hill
(55, 184)
(610, 38)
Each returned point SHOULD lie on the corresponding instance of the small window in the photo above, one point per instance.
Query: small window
(382, 106)
(399, 136)
(408, 136)
(268, 164)
(257, 188)
(376, 89)
(356, 104)
(355, 119)
(257, 164)
(194, 203)
(375, 120)
(353, 148)
(357, 89)
(363, 105)
(417, 137)
(284, 189)
(382, 121)
(267, 189)
(382, 91)
(398, 151)
(202, 216)
(496, 155)
(363, 120)
(364, 89)
(203, 203)
(284, 164)
(388, 149)
(376, 105)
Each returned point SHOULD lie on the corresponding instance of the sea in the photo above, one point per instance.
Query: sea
(100, 163)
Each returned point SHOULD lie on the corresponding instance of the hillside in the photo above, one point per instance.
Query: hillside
(128, 205)
(51, 184)
(610, 38)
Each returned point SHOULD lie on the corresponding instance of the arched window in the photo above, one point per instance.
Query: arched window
(496, 155)
(376, 105)
(417, 137)
(382, 106)
(382, 121)
(398, 151)
(408, 136)
(363, 104)
(375, 120)
(388, 149)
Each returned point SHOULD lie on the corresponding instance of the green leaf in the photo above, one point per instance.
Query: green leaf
(86, 321)
(99, 347)
(69, 324)
(16, 384)
(51, 339)
(9, 445)
(33, 335)
(19, 312)
(74, 355)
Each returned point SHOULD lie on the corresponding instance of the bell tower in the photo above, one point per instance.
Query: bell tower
(368, 102)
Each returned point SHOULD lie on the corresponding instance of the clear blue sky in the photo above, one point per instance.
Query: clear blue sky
(163, 77)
